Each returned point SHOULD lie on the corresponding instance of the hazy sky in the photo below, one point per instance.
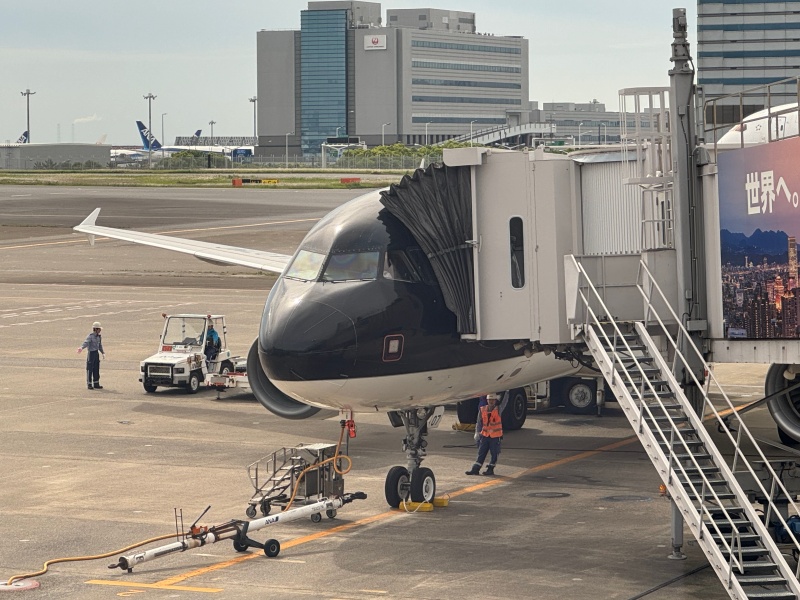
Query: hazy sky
(91, 63)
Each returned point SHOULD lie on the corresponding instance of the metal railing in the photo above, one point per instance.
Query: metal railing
(598, 317)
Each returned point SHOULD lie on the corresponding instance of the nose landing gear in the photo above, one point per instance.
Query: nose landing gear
(413, 481)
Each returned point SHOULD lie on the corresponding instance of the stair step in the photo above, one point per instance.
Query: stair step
(698, 481)
(667, 419)
(721, 495)
(760, 579)
(698, 456)
(770, 595)
(745, 537)
(751, 552)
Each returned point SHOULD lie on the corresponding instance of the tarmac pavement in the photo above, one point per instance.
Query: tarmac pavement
(575, 512)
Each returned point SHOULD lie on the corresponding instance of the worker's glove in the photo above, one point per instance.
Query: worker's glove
(477, 436)
(80, 350)
(104, 355)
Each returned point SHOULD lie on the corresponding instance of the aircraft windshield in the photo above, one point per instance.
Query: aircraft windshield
(184, 331)
(352, 266)
(305, 266)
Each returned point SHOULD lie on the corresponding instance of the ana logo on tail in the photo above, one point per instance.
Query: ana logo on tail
(23, 139)
(149, 142)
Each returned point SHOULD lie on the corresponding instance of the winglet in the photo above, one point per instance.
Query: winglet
(90, 222)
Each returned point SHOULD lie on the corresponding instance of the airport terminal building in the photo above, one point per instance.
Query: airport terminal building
(422, 76)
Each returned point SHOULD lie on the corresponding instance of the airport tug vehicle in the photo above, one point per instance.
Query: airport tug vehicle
(188, 356)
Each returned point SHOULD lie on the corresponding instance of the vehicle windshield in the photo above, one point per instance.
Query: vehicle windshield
(184, 331)
(352, 266)
(305, 266)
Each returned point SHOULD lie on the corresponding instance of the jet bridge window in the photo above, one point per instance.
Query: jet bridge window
(356, 266)
(517, 249)
(305, 266)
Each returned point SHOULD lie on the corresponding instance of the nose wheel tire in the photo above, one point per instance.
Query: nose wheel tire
(397, 486)
(423, 485)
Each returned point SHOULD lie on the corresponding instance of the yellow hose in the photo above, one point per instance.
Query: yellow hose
(79, 558)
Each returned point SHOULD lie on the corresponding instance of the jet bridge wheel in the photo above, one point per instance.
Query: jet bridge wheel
(397, 486)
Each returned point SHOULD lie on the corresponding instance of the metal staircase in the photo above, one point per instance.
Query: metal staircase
(700, 479)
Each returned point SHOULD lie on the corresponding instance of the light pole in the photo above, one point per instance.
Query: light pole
(162, 135)
(470, 131)
(383, 133)
(212, 123)
(579, 133)
(149, 99)
(426, 131)
(337, 130)
(27, 93)
(254, 100)
(287, 147)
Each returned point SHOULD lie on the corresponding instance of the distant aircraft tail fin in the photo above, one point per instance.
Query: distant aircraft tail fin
(197, 133)
(149, 141)
(23, 139)
(102, 139)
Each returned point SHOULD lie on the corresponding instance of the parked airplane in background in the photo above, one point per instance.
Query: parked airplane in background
(23, 139)
(357, 321)
(149, 142)
(768, 125)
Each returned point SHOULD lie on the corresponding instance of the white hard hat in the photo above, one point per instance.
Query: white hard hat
(96, 325)
(491, 396)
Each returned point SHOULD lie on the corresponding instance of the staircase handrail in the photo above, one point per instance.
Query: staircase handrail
(706, 487)
(743, 431)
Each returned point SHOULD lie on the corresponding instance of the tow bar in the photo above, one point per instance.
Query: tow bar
(237, 531)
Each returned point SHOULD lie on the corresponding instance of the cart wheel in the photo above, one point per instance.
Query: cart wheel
(265, 508)
(316, 518)
(239, 546)
(331, 513)
(272, 548)
(251, 511)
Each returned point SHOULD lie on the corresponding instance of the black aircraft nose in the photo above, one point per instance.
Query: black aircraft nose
(305, 338)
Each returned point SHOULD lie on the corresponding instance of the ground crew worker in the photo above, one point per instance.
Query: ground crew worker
(212, 343)
(488, 433)
(94, 344)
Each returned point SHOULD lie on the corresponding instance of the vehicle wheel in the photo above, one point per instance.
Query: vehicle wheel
(331, 513)
(239, 546)
(316, 517)
(148, 387)
(272, 548)
(516, 410)
(251, 511)
(265, 508)
(578, 395)
(226, 367)
(423, 485)
(194, 383)
(397, 486)
(467, 411)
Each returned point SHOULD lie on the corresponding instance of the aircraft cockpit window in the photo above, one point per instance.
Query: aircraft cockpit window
(356, 266)
(305, 266)
(422, 265)
(398, 267)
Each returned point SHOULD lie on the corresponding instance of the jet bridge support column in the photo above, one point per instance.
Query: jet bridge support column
(688, 206)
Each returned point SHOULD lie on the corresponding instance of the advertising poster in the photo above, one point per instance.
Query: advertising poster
(759, 225)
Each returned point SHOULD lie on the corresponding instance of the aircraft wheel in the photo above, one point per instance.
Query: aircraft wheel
(516, 410)
(316, 518)
(240, 546)
(467, 411)
(272, 548)
(251, 511)
(397, 486)
(786, 439)
(578, 396)
(423, 485)
(194, 383)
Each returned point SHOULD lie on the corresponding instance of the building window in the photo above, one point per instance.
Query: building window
(428, 64)
(466, 100)
(464, 47)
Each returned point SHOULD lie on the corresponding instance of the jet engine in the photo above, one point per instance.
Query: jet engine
(784, 408)
(270, 396)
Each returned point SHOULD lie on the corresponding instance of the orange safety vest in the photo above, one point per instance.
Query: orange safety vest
(492, 423)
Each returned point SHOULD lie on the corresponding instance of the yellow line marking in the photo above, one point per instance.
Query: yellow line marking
(80, 241)
(154, 586)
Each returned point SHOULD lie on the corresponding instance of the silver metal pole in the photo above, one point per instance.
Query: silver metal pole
(150, 97)
(27, 93)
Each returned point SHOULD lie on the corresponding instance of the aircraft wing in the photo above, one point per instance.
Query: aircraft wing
(213, 253)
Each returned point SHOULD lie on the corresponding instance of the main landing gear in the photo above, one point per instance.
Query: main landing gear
(413, 481)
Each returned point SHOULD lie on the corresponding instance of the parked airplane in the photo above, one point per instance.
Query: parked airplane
(357, 321)
(149, 141)
(768, 125)
(23, 139)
